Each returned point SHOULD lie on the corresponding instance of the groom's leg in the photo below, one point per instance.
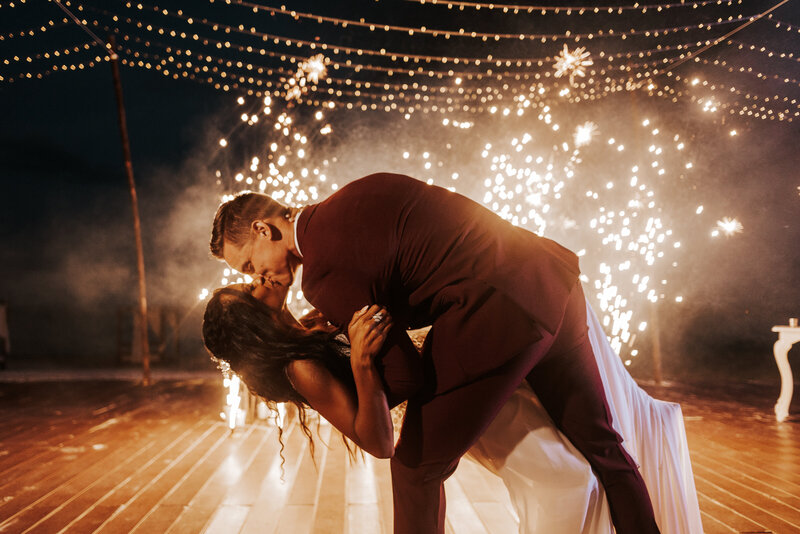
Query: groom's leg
(569, 386)
(435, 435)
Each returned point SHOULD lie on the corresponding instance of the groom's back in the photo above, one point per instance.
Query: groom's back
(413, 240)
(433, 257)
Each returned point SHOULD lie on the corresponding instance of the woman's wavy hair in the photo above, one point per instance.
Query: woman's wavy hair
(257, 343)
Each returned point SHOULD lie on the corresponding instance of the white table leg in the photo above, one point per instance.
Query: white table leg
(781, 351)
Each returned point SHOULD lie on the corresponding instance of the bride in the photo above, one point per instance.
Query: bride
(551, 485)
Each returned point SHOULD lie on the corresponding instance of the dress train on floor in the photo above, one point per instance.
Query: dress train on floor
(551, 485)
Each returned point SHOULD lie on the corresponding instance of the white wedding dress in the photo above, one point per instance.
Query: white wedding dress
(552, 486)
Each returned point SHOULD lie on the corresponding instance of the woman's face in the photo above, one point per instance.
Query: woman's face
(273, 296)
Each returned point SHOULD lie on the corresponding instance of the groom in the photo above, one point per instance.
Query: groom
(504, 304)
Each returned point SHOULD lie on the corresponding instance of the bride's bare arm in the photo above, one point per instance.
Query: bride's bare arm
(364, 416)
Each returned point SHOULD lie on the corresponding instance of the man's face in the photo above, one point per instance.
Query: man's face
(262, 257)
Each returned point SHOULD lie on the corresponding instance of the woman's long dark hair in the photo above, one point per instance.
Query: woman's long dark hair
(258, 343)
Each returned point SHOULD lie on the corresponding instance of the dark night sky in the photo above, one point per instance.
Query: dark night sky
(68, 259)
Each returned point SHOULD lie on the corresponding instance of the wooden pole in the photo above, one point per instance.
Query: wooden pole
(137, 229)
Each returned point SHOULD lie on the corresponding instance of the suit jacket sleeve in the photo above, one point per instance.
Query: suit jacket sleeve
(399, 362)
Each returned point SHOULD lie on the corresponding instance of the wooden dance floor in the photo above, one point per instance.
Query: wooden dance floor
(95, 456)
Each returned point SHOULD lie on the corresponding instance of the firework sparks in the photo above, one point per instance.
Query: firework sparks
(572, 63)
(584, 133)
(727, 226)
(709, 105)
(314, 68)
(308, 73)
(536, 179)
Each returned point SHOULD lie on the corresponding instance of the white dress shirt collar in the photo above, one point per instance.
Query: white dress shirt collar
(296, 244)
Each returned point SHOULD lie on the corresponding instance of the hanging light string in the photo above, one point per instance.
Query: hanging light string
(718, 40)
(313, 45)
(395, 86)
(81, 66)
(88, 64)
(593, 90)
(34, 31)
(402, 70)
(49, 55)
(284, 73)
(461, 32)
(779, 24)
(166, 62)
(377, 83)
(726, 89)
(76, 20)
(544, 37)
(517, 8)
(423, 88)
(348, 81)
(207, 58)
(753, 110)
(763, 50)
(691, 82)
(675, 62)
(393, 56)
(746, 71)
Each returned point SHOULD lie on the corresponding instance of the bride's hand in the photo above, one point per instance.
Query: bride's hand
(368, 334)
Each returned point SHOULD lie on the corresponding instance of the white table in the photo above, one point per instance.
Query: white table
(787, 336)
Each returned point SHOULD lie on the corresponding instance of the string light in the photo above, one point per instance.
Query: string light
(277, 41)
(51, 24)
(780, 24)
(484, 36)
(497, 77)
(762, 50)
(260, 70)
(49, 55)
(580, 10)
(501, 78)
(424, 70)
(544, 37)
(716, 41)
(749, 71)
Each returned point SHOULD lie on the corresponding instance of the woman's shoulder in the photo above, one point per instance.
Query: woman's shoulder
(308, 376)
(299, 369)
(317, 385)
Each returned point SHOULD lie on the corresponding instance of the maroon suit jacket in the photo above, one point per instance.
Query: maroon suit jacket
(433, 257)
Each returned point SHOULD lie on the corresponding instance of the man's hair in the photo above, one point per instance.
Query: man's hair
(234, 217)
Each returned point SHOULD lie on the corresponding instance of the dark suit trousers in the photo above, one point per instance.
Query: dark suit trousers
(562, 371)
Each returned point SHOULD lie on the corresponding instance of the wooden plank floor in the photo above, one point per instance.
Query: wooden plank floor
(112, 457)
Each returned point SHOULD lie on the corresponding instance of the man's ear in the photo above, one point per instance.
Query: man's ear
(261, 228)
